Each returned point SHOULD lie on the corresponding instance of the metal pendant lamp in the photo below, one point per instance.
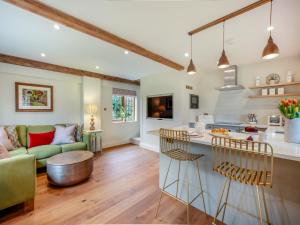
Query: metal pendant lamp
(271, 50)
(223, 61)
(191, 68)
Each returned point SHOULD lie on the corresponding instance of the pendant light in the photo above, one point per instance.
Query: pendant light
(271, 50)
(191, 68)
(223, 61)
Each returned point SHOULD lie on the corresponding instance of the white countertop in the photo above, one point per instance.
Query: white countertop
(281, 149)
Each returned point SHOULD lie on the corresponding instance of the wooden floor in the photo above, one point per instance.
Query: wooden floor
(122, 189)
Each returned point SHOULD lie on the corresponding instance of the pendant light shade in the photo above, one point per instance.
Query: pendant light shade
(223, 61)
(271, 50)
(191, 68)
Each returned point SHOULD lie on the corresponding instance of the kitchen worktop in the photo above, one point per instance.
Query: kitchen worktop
(281, 149)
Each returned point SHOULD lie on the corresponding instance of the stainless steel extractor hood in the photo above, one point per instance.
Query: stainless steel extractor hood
(230, 79)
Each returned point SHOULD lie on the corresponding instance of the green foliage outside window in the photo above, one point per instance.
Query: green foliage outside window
(124, 108)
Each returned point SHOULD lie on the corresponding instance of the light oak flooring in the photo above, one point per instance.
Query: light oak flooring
(123, 189)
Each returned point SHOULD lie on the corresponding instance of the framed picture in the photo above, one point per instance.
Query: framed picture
(33, 97)
(194, 101)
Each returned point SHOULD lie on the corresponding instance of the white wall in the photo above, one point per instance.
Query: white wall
(116, 133)
(175, 83)
(67, 96)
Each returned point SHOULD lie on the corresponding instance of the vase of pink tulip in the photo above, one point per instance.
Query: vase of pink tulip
(289, 108)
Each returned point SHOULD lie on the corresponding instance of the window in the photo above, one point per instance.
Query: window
(124, 105)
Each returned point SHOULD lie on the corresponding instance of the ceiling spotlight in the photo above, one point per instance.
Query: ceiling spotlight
(186, 55)
(43, 54)
(270, 28)
(97, 67)
(126, 52)
(56, 26)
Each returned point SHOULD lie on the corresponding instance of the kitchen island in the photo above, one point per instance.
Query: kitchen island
(283, 199)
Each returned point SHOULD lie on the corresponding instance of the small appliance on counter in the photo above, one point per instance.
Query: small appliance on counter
(252, 118)
(275, 120)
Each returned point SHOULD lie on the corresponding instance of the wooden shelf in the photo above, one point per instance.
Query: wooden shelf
(276, 85)
(274, 96)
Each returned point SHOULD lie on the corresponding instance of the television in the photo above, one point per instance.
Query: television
(160, 107)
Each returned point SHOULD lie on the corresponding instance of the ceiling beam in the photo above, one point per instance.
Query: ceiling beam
(230, 16)
(61, 69)
(61, 17)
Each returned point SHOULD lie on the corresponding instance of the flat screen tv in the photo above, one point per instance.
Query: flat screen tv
(160, 107)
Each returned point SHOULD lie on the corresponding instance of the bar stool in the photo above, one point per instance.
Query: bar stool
(175, 144)
(247, 162)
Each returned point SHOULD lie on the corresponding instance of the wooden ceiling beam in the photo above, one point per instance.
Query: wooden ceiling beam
(61, 69)
(230, 16)
(41, 9)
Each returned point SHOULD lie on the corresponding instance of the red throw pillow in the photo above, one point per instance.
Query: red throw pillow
(37, 139)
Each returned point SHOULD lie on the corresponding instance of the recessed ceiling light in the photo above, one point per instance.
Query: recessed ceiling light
(270, 28)
(56, 26)
(126, 52)
(186, 54)
(43, 54)
(97, 67)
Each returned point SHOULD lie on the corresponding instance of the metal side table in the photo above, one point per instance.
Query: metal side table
(95, 142)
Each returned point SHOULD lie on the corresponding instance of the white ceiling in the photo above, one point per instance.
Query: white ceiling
(160, 26)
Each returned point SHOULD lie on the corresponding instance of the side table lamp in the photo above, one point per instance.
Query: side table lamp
(92, 110)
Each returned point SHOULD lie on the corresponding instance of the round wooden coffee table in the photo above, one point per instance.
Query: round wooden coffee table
(69, 168)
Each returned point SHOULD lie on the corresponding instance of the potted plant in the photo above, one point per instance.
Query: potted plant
(290, 110)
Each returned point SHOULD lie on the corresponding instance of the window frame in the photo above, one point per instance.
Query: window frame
(123, 103)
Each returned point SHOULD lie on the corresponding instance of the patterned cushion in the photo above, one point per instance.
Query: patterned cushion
(4, 140)
(13, 136)
(78, 131)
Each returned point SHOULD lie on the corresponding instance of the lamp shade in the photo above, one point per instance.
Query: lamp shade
(91, 108)
(191, 68)
(271, 50)
(223, 61)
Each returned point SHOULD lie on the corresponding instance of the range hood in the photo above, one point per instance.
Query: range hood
(230, 79)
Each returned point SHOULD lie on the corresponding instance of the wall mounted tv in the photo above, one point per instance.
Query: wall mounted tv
(160, 107)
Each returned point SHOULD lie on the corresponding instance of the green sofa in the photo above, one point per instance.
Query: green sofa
(42, 153)
(17, 181)
(18, 173)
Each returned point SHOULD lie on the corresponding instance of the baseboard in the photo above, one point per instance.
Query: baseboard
(149, 147)
(116, 143)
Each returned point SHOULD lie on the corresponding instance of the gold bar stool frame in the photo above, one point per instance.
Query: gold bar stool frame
(175, 144)
(247, 162)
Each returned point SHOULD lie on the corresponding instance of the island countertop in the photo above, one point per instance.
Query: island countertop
(281, 148)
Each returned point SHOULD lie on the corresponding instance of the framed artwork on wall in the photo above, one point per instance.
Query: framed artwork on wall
(33, 97)
(194, 101)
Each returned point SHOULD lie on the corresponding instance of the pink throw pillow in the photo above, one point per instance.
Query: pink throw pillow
(3, 152)
(4, 140)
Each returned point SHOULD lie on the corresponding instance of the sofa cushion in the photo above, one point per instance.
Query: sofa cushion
(3, 152)
(13, 136)
(18, 151)
(38, 129)
(38, 139)
(22, 134)
(73, 147)
(44, 151)
(64, 135)
(4, 140)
